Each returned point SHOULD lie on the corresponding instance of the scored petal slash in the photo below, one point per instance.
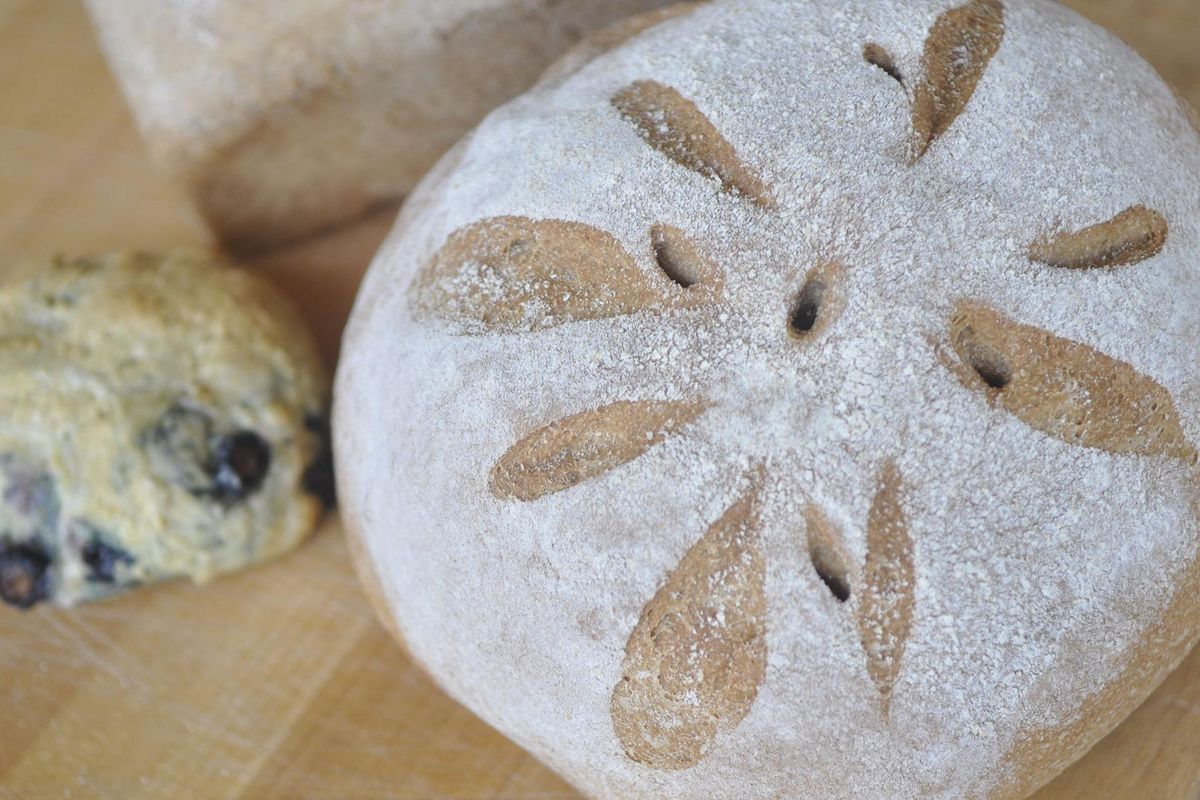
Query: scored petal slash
(681, 261)
(696, 658)
(1134, 235)
(822, 297)
(672, 125)
(694, 662)
(1063, 388)
(828, 553)
(888, 601)
(876, 55)
(508, 274)
(957, 53)
(571, 450)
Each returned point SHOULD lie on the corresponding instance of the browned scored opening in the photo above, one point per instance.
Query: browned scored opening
(807, 308)
(832, 573)
(675, 127)
(1135, 235)
(877, 56)
(957, 53)
(1065, 389)
(989, 363)
(681, 261)
(820, 299)
(510, 274)
(887, 604)
(827, 553)
(573, 449)
(696, 658)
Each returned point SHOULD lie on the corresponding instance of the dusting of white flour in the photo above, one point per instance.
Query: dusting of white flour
(1038, 563)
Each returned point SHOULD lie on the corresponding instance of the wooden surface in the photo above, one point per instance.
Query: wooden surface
(278, 683)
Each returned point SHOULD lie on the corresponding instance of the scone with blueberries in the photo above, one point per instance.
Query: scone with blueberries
(164, 416)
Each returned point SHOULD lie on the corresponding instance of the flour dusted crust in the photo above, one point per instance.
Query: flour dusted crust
(282, 118)
(164, 417)
(798, 399)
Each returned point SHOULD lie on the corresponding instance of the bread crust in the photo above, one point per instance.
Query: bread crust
(1040, 755)
(282, 119)
(368, 578)
(974, 516)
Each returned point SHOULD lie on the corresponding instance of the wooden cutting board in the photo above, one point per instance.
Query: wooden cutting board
(278, 683)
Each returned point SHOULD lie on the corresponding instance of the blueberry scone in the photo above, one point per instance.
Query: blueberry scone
(798, 399)
(164, 416)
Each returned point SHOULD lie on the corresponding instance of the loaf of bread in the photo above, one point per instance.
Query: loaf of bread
(164, 416)
(281, 118)
(799, 400)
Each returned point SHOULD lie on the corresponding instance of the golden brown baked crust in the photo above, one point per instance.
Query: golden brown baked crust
(569, 451)
(1134, 235)
(957, 52)
(570, 265)
(687, 676)
(1065, 389)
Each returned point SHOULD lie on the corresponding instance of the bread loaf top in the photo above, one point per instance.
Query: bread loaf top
(799, 399)
(281, 118)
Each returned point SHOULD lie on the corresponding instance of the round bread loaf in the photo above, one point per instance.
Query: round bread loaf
(164, 416)
(283, 118)
(798, 400)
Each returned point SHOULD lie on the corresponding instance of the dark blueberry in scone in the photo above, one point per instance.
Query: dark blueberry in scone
(24, 573)
(102, 560)
(166, 406)
(318, 476)
(185, 448)
(242, 461)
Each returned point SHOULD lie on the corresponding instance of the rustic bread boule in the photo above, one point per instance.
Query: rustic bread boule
(282, 118)
(797, 400)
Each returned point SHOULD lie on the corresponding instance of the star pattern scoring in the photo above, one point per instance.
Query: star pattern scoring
(697, 655)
